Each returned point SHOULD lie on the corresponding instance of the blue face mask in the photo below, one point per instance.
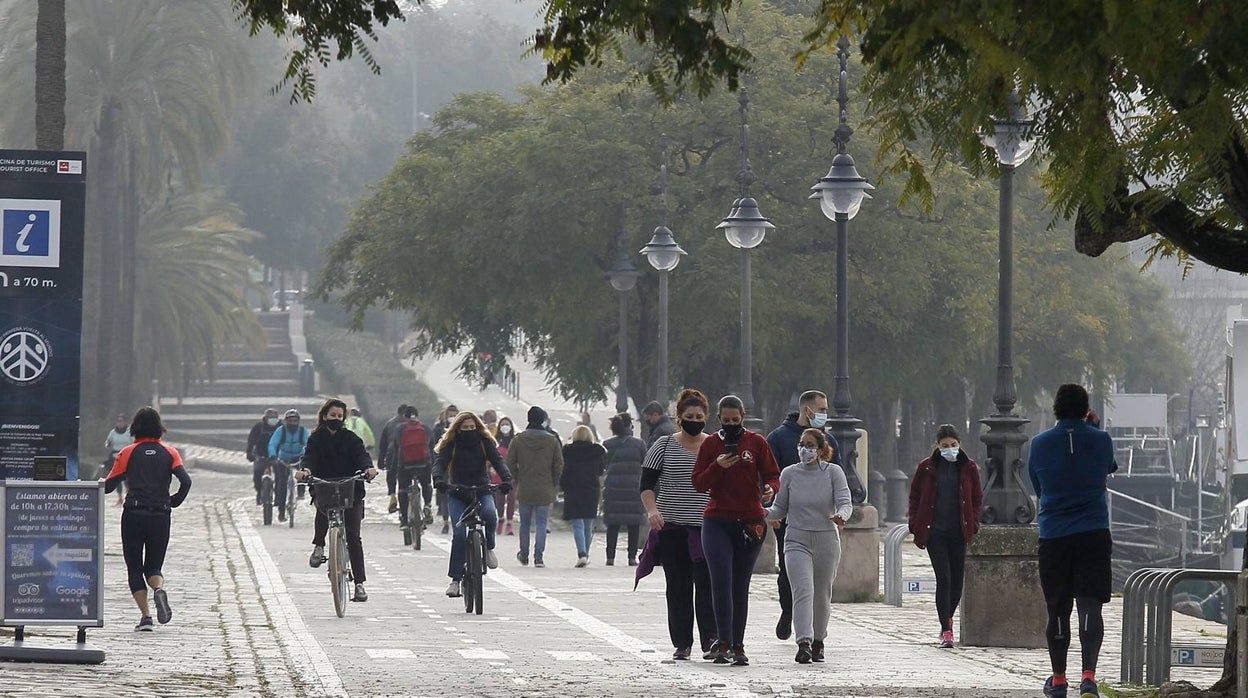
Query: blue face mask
(819, 419)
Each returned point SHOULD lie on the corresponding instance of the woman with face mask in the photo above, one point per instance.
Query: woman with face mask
(945, 503)
(814, 496)
(504, 432)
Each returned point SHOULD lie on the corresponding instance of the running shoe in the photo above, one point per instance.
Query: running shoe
(610, 562)
(510, 531)
(804, 655)
(681, 653)
(491, 560)
(537, 562)
(582, 561)
(816, 651)
(453, 590)
(1089, 689)
(946, 639)
(394, 504)
(710, 650)
(428, 514)
(317, 558)
(163, 613)
(784, 628)
(720, 653)
(1054, 691)
(360, 594)
(446, 527)
(522, 558)
(145, 625)
(738, 656)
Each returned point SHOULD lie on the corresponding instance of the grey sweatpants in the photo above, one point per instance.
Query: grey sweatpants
(811, 558)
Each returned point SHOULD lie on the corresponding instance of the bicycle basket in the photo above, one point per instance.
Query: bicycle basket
(338, 495)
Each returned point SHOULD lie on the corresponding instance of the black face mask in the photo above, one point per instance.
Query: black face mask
(691, 427)
(467, 437)
(119, 430)
(733, 432)
(333, 424)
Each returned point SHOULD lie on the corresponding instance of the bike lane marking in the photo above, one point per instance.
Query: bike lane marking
(304, 650)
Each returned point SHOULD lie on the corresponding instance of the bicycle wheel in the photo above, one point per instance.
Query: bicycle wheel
(291, 504)
(266, 498)
(476, 568)
(338, 569)
(465, 588)
(415, 522)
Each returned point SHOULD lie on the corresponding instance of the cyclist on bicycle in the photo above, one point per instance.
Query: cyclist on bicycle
(286, 447)
(465, 454)
(335, 452)
(410, 455)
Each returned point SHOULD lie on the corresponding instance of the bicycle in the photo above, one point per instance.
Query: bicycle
(291, 500)
(411, 517)
(333, 497)
(266, 492)
(474, 541)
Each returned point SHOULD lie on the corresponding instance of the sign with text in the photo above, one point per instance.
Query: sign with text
(42, 213)
(53, 553)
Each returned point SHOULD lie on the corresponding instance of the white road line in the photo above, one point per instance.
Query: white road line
(304, 650)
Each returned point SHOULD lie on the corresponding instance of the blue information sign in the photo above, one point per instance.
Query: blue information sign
(53, 562)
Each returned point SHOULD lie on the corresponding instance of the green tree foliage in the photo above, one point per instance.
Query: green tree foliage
(495, 230)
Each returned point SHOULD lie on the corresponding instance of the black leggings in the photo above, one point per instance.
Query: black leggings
(144, 541)
(730, 562)
(782, 579)
(688, 589)
(613, 539)
(948, 556)
(408, 475)
(1091, 632)
(355, 547)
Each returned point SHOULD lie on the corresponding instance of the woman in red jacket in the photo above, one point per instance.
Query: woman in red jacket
(945, 502)
(737, 468)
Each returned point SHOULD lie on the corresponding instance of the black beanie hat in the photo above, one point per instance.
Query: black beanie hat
(537, 415)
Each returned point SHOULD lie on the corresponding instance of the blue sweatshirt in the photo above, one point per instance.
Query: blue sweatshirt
(1070, 464)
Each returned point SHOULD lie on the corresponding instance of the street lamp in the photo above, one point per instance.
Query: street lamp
(663, 254)
(744, 228)
(840, 195)
(1005, 500)
(623, 277)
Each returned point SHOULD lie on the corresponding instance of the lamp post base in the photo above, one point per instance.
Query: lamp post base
(1006, 500)
(1003, 572)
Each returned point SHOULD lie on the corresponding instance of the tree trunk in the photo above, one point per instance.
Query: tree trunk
(50, 75)
(128, 232)
(109, 212)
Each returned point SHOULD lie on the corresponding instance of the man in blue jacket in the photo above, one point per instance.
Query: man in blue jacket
(286, 447)
(1070, 465)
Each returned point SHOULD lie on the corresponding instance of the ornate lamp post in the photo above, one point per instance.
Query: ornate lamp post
(623, 277)
(663, 254)
(745, 227)
(840, 195)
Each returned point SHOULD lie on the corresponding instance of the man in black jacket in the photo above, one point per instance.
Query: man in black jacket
(258, 446)
(384, 443)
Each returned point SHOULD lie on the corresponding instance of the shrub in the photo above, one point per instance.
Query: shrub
(361, 364)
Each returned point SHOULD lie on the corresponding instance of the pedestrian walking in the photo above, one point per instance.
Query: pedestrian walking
(945, 502)
(655, 416)
(586, 421)
(384, 449)
(812, 413)
(1069, 466)
(504, 432)
(466, 454)
(148, 467)
(736, 468)
(118, 438)
(536, 461)
(490, 419)
(356, 423)
(674, 511)
(621, 505)
(814, 498)
(449, 413)
(584, 462)
(258, 447)
(335, 452)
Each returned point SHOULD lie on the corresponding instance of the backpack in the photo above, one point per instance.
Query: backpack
(414, 443)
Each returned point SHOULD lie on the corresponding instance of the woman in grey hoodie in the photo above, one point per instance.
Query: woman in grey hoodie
(814, 495)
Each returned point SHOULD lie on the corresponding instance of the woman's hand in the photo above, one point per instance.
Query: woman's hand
(655, 519)
(726, 461)
(301, 475)
(768, 495)
(840, 523)
(371, 473)
(775, 523)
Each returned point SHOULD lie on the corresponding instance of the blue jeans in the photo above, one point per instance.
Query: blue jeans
(583, 533)
(528, 512)
(459, 537)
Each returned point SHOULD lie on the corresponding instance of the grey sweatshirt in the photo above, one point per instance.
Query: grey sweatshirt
(810, 495)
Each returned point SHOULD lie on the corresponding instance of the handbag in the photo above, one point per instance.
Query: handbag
(753, 531)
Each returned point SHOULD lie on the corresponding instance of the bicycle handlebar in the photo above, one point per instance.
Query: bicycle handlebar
(359, 475)
(473, 488)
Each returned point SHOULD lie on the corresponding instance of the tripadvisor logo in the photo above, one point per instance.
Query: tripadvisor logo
(25, 355)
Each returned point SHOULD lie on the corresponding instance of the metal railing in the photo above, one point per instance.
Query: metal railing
(895, 586)
(1147, 616)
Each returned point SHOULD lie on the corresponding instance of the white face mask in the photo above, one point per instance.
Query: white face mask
(271, 421)
(950, 454)
(807, 454)
(818, 420)
(505, 429)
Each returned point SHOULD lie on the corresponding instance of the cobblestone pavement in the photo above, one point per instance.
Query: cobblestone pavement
(251, 619)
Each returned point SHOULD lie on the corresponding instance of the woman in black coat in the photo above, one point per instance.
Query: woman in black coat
(583, 463)
(621, 503)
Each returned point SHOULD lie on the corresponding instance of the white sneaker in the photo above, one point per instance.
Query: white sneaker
(453, 590)
(582, 561)
(491, 560)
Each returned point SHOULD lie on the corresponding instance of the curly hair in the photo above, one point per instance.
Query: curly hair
(826, 452)
(692, 397)
(448, 437)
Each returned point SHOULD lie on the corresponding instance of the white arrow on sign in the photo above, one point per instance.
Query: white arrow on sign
(56, 555)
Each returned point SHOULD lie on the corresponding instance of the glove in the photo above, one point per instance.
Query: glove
(504, 486)
(441, 486)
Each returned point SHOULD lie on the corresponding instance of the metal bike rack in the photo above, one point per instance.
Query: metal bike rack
(1147, 620)
(892, 563)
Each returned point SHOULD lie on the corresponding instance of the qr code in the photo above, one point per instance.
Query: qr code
(22, 554)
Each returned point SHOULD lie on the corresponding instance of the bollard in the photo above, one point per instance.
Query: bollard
(307, 379)
(896, 496)
(875, 489)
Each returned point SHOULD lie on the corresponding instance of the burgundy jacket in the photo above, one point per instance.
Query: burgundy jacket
(736, 492)
(923, 498)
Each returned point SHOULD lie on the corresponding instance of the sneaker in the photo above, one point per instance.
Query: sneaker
(946, 639)
(281, 516)
(446, 527)
(610, 562)
(394, 504)
(163, 613)
(360, 594)
(145, 625)
(720, 653)
(738, 656)
(522, 558)
(1089, 689)
(498, 530)
(1054, 691)
(537, 562)
(453, 590)
(428, 516)
(784, 628)
(711, 650)
(804, 655)
(491, 560)
(582, 561)
(632, 561)
(317, 558)
(816, 651)
(681, 653)
(510, 531)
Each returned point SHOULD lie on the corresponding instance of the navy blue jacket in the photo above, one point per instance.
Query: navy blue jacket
(783, 441)
(1069, 466)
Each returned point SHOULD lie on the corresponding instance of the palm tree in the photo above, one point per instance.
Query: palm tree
(50, 75)
(189, 298)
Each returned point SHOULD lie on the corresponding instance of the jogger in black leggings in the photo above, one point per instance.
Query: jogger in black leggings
(147, 467)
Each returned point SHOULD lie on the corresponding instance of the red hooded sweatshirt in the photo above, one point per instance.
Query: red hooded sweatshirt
(736, 492)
